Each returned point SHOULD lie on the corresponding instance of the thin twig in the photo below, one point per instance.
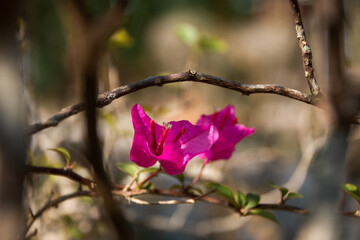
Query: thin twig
(352, 214)
(282, 207)
(171, 202)
(107, 97)
(305, 49)
(127, 186)
(154, 174)
(196, 179)
(54, 203)
(65, 172)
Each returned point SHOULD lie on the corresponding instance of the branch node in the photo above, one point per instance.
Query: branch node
(192, 72)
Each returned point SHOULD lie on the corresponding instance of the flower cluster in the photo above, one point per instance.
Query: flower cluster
(175, 143)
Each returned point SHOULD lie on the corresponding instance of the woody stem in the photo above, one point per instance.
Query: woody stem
(196, 179)
(154, 174)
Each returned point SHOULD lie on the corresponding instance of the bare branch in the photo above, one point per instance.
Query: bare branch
(171, 202)
(352, 214)
(54, 203)
(107, 97)
(125, 191)
(65, 172)
(283, 207)
(305, 49)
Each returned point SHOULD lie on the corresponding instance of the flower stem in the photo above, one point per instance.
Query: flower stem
(154, 174)
(196, 179)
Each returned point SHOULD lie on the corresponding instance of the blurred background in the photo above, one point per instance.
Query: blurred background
(249, 41)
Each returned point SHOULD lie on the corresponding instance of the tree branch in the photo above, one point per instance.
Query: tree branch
(107, 97)
(305, 49)
(68, 173)
(53, 203)
(125, 191)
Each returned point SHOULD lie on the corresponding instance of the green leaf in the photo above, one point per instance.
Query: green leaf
(352, 190)
(128, 168)
(240, 198)
(273, 185)
(263, 213)
(176, 186)
(212, 44)
(282, 190)
(252, 200)
(148, 186)
(148, 170)
(195, 190)
(63, 152)
(188, 34)
(224, 191)
(293, 195)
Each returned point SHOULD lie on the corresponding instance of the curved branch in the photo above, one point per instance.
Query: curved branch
(54, 203)
(123, 190)
(107, 97)
(65, 172)
(305, 49)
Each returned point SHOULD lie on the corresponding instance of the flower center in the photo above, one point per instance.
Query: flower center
(158, 147)
(182, 130)
(224, 120)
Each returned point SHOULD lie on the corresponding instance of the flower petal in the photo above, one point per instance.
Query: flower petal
(142, 151)
(230, 133)
(173, 160)
(237, 132)
(142, 126)
(194, 139)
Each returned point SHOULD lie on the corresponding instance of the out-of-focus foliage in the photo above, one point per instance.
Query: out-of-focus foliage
(121, 38)
(352, 190)
(203, 43)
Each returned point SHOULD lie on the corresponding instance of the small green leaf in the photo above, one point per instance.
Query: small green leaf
(148, 186)
(212, 44)
(352, 190)
(293, 195)
(282, 190)
(128, 168)
(263, 213)
(240, 198)
(187, 33)
(273, 185)
(63, 152)
(224, 191)
(148, 170)
(195, 190)
(252, 200)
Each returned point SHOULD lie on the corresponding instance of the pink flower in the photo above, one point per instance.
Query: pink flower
(173, 144)
(230, 133)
